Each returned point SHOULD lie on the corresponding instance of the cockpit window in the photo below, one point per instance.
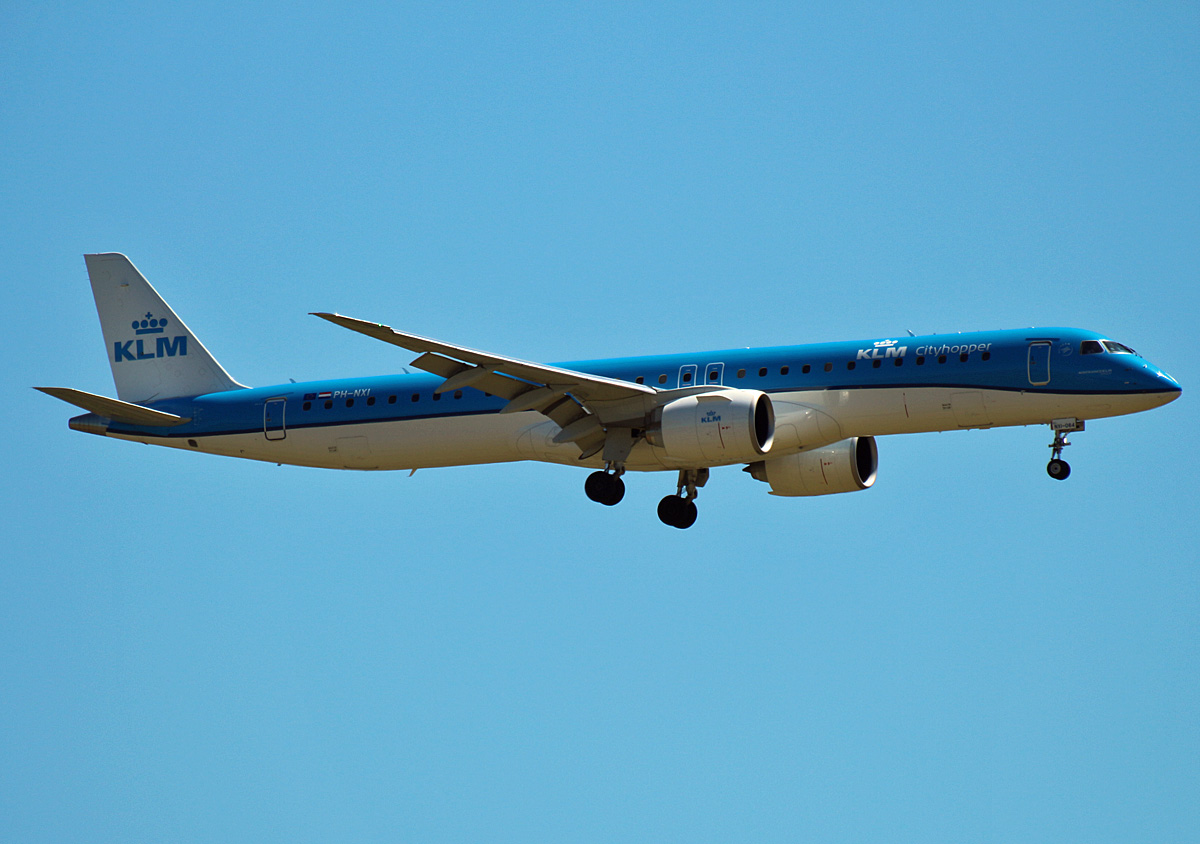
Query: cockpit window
(1117, 348)
(1091, 347)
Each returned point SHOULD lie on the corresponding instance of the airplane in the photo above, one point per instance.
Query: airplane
(803, 418)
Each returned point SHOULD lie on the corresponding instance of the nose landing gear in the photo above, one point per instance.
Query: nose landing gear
(1058, 468)
(679, 510)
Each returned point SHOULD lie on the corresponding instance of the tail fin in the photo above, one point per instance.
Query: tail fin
(152, 353)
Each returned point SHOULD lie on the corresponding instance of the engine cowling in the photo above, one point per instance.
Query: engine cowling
(845, 466)
(714, 429)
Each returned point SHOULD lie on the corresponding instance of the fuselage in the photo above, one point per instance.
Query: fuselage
(821, 393)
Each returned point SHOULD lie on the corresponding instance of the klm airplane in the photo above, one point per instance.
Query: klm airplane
(802, 419)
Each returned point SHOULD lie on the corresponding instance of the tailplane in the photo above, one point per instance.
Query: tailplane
(152, 353)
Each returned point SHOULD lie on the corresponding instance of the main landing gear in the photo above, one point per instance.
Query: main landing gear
(1058, 468)
(679, 510)
(606, 487)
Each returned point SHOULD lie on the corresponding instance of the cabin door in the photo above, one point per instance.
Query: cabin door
(1039, 363)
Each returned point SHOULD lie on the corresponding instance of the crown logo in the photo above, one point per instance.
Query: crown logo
(885, 344)
(149, 325)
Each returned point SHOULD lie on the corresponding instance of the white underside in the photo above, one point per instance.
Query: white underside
(804, 420)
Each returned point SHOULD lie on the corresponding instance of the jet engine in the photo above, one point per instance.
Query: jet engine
(845, 466)
(714, 429)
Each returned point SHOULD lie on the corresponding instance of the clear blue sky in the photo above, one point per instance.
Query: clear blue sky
(201, 649)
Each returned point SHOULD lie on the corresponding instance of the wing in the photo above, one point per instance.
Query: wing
(581, 404)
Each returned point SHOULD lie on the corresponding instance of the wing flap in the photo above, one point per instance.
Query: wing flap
(439, 365)
(532, 399)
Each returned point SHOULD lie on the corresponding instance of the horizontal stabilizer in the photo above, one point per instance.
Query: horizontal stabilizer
(118, 411)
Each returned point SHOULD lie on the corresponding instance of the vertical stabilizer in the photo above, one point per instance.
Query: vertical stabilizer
(152, 353)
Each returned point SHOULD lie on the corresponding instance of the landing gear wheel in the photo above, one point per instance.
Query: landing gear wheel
(677, 512)
(688, 517)
(1060, 470)
(604, 488)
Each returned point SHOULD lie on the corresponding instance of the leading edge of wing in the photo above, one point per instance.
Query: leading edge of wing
(584, 385)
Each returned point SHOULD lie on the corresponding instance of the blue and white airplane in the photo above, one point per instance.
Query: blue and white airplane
(802, 419)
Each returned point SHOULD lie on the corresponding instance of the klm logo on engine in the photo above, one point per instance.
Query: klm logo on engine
(882, 349)
(710, 416)
(141, 349)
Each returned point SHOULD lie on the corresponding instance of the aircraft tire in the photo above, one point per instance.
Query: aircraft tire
(1060, 470)
(677, 512)
(604, 488)
(616, 491)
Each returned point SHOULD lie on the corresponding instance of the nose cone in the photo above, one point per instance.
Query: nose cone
(1170, 385)
(1160, 383)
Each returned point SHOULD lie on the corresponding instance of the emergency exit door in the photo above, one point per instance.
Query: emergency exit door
(273, 419)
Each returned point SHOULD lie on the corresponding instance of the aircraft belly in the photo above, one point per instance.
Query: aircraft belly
(913, 410)
(397, 444)
(447, 441)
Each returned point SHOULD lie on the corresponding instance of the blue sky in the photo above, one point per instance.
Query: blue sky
(201, 649)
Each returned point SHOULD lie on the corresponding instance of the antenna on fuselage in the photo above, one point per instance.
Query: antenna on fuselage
(910, 333)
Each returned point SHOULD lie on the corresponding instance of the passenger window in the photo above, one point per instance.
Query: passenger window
(639, 380)
(712, 376)
(458, 394)
(963, 357)
(741, 373)
(899, 361)
(662, 379)
(349, 402)
(920, 360)
(806, 369)
(784, 370)
(986, 355)
(941, 358)
(437, 396)
(829, 367)
(416, 397)
(687, 377)
(391, 399)
(875, 364)
(328, 405)
(850, 364)
(370, 401)
(308, 405)
(762, 373)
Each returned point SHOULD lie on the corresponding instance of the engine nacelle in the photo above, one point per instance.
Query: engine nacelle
(845, 466)
(714, 429)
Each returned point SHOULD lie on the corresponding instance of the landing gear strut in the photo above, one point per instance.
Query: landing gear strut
(1058, 468)
(679, 510)
(606, 487)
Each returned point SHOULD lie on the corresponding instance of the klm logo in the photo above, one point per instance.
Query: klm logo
(140, 349)
(882, 349)
(710, 417)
